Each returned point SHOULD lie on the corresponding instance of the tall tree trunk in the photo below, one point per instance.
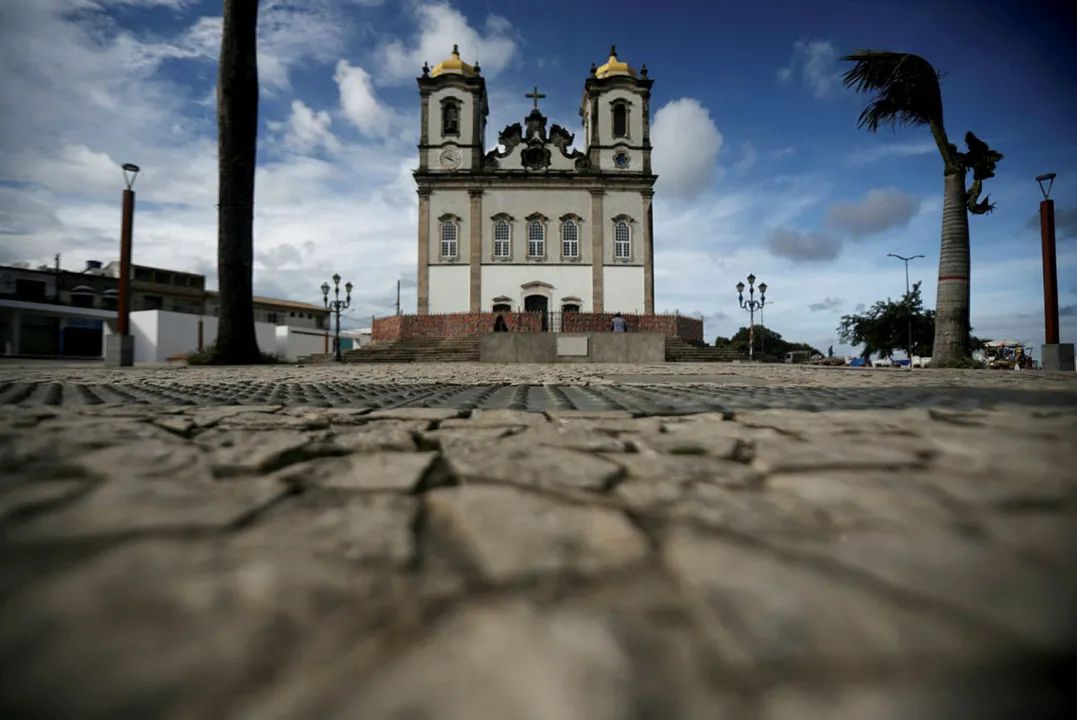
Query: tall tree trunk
(237, 138)
(952, 301)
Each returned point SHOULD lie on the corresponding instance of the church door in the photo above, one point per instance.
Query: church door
(539, 304)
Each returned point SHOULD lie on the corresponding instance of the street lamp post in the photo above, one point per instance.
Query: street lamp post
(751, 305)
(908, 310)
(335, 306)
(120, 346)
(1054, 355)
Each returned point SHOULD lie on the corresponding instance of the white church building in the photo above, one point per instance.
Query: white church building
(532, 225)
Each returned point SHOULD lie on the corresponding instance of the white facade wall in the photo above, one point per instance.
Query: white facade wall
(554, 205)
(293, 343)
(629, 206)
(623, 289)
(160, 334)
(605, 119)
(450, 289)
(508, 281)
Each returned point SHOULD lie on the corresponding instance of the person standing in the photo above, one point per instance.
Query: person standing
(619, 323)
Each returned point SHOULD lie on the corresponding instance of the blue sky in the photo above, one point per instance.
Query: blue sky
(762, 167)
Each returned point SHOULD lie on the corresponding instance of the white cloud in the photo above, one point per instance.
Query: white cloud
(879, 210)
(686, 143)
(308, 131)
(440, 27)
(359, 102)
(881, 151)
(800, 247)
(816, 61)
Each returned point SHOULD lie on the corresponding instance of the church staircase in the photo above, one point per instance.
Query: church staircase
(429, 350)
(680, 350)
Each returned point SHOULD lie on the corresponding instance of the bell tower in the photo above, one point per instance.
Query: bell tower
(616, 112)
(454, 110)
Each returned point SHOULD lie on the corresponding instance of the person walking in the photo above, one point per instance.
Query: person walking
(500, 325)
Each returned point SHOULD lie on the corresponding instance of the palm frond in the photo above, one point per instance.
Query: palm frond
(905, 87)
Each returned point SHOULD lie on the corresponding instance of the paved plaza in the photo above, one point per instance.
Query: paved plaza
(536, 542)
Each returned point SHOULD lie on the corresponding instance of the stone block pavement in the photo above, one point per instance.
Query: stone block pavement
(443, 555)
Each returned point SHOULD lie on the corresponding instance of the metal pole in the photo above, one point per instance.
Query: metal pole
(123, 305)
(751, 330)
(908, 309)
(397, 297)
(337, 338)
(1050, 272)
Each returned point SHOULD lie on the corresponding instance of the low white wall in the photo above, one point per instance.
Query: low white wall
(160, 334)
(294, 343)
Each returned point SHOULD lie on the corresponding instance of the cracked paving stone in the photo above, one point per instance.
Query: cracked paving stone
(273, 421)
(1048, 537)
(498, 533)
(614, 425)
(580, 439)
(372, 472)
(838, 422)
(24, 494)
(62, 439)
(536, 467)
(424, 414)
(976, 581)
(866, 499)
(496, 418)
(816, 619)
(375, 436)
(562, 415)
(789, 455)
(135, 505)
(511, 660)
(462, 440)
(370, 529)
(208, 417)
(179, 629)
(247, 452)
(502, 661)
(711, 505)
(677, 469)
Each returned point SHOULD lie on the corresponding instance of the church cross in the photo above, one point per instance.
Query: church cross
(536, 96)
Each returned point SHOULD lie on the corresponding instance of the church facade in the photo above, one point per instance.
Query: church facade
(534, 225)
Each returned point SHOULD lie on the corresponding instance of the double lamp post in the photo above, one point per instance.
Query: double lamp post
(751, 305)
(335, 307)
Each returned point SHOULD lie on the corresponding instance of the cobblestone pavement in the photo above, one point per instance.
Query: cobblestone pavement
(291, 561)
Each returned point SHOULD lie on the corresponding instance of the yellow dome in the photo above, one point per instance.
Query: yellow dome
(454, 66)
(614, 67)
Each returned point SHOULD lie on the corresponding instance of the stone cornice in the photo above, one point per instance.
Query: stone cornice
(596, 182)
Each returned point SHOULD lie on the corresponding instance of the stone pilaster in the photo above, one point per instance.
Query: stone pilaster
(648, 253)
(598, 251)
(475, 247)
(422, 277)
(424, 129)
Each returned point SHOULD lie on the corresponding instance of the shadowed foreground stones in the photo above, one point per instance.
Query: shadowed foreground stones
(268, 562)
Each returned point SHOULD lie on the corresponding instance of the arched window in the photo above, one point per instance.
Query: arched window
(622, 240)
(570, 239)
(450, 118)
(502, 239)
(448, 239)
(536, 239)
(620, 120)
(502, 308)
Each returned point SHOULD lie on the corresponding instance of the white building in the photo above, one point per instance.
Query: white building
(533, 225)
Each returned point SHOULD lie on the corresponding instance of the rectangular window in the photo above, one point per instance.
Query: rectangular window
(448, 240)
(570, 240)
(622, 241)
(536, 239)
(502, 239)
(153, 302)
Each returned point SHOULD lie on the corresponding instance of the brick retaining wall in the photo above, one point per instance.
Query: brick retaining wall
(400, 327)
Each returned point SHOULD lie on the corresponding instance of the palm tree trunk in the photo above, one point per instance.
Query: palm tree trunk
(952, 301)
(237, 137)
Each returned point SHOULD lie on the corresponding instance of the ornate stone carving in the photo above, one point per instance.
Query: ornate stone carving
(536, 156)
(561, 138)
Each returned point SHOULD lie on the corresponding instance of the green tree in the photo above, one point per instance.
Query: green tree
(237, 138)
(884, 328)
(906, 92)
(766, 341)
